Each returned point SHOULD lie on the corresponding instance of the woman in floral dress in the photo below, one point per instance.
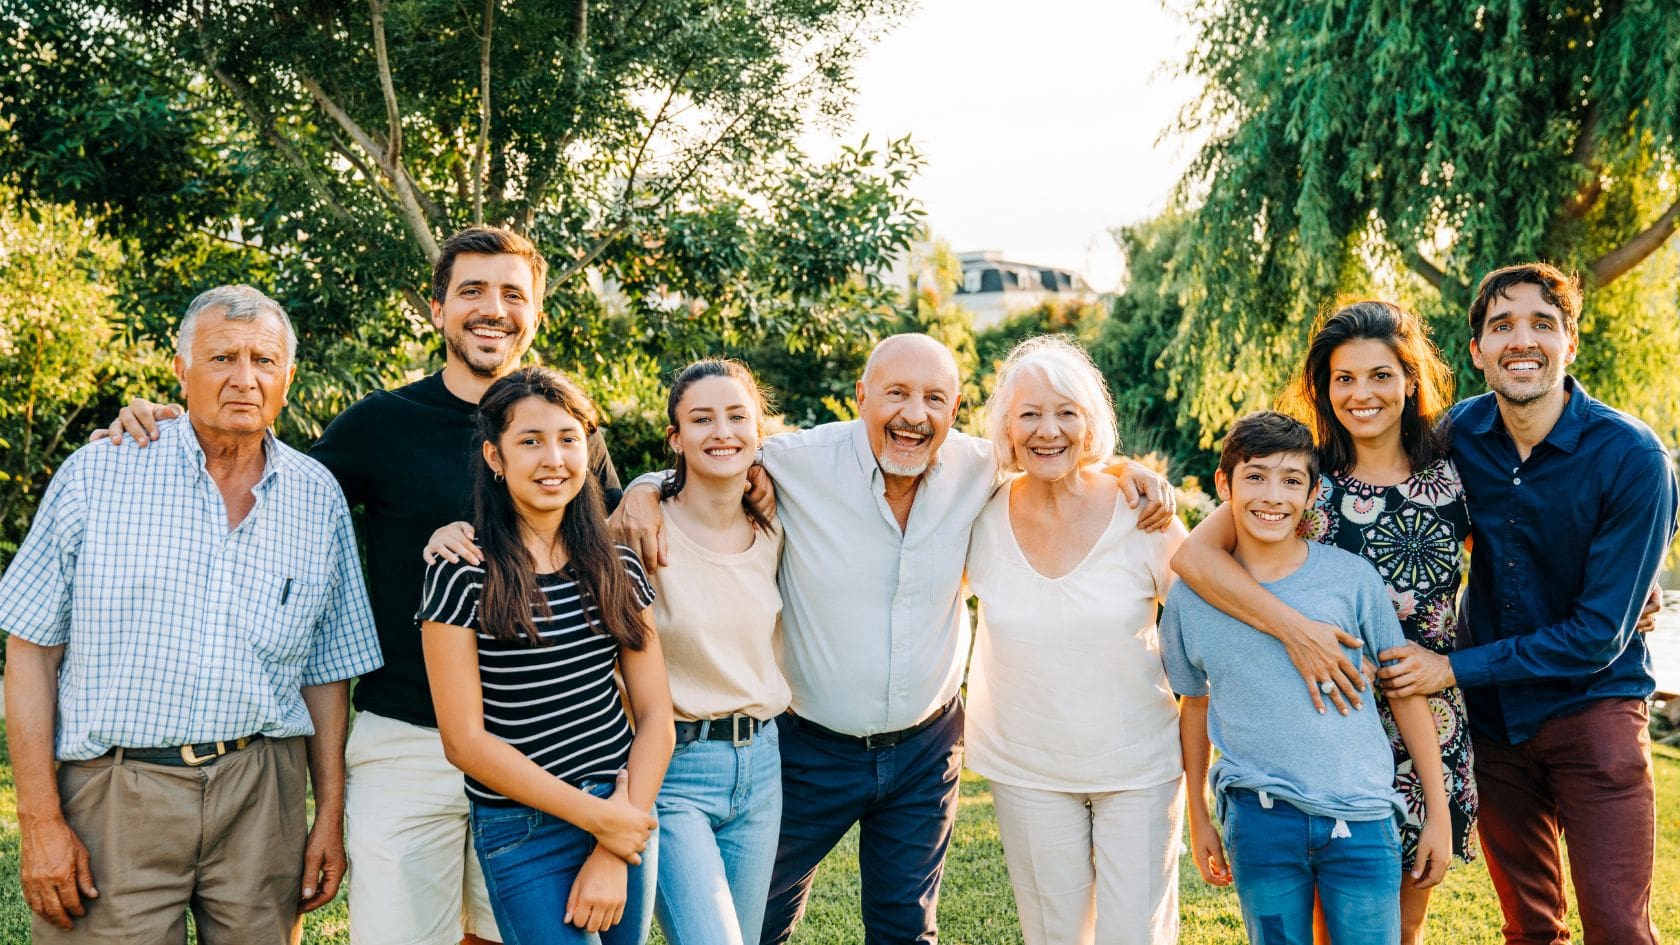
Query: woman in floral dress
(1372, 386)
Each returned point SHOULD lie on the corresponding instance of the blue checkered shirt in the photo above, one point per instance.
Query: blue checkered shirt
(175, 629)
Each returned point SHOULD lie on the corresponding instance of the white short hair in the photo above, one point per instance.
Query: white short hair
(1064, 365)
(240, 303)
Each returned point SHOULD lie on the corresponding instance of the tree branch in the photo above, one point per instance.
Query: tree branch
(481, 155)
(409, 204)
(622, 224)
(543, 171)
(387, 87)
(1585, 153)
(417, 302)
(241, 92)
(1431, 273)
(1616, 263)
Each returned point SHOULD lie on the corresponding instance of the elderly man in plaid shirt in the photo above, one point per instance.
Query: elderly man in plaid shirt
(184, 621)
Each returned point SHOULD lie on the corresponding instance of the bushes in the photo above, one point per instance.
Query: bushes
(65, 355)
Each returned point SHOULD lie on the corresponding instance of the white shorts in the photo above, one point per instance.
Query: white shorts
(413, 877)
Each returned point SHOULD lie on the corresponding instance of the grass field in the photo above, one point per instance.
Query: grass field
(976, 907)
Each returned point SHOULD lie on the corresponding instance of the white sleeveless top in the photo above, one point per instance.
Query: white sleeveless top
(1066, 691)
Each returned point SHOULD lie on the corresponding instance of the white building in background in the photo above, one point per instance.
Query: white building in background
(993, 288)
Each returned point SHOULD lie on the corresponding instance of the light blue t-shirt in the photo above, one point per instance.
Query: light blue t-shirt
(1269, 735)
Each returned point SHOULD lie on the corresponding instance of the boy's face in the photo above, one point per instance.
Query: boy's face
(1267, 495)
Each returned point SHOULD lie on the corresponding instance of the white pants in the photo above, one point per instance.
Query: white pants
(413, 877)
(1093, 869)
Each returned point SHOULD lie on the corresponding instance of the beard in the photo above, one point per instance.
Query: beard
(1520, 392)
(483, 364)
(911, 467)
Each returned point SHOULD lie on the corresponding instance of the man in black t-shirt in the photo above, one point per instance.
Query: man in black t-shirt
(406, 456)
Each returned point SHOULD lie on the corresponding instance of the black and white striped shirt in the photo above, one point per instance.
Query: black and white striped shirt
(556, 702)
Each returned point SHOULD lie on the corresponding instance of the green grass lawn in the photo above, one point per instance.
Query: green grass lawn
(976, 907)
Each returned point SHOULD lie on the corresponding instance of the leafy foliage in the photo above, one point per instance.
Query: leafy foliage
(64, 354)
(1408, 148)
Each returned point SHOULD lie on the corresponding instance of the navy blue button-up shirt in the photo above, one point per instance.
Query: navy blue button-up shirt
(1565, 546)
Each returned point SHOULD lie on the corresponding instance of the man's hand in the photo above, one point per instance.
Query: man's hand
(1316, 649)
(638, 523)
(139, 420)
(596, 901)
(1653, 606)
(54, 870)
(761, 492)
(1208, 851)
(452, 543)
(1418, 672)
(1148, 492)
(324, 863)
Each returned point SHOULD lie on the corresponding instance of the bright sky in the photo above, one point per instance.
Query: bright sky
(1039, 122)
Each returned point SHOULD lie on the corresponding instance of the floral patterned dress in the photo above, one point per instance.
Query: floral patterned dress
(1413, 533)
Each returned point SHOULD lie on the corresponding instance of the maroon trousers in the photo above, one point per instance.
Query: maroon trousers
(1588, 777)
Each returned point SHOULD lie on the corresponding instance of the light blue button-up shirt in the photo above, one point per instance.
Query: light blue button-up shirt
(175, 628)
(874, 629)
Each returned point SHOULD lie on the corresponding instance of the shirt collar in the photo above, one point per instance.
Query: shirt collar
(193, 452)
(1565, 435)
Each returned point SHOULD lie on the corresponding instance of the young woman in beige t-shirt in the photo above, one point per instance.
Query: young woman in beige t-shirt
(717, 608)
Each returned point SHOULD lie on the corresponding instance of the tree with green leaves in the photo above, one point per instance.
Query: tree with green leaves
(1406, 148)
(323, 148)
(65, 357)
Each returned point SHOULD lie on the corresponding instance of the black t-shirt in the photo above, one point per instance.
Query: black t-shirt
(557, 701)
(406, 457)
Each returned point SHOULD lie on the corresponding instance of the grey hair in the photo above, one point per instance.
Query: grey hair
(1069, 371)
(240, 303)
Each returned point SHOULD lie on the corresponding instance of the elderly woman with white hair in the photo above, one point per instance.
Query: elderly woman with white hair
(1069, 712)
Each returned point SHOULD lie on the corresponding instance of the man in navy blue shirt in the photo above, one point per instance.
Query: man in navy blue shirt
(1573, 507)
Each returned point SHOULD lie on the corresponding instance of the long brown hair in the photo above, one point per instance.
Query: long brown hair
(510, 573)
(1404, 334)
(686, 378)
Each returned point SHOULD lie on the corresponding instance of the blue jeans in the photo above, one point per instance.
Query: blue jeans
(720, 810)
(904, 801)
(530, 860)
(1279, 855)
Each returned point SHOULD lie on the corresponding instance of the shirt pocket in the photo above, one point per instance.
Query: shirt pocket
(279, 613)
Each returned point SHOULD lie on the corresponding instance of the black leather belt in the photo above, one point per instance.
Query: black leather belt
(736, 729)
(880, 739)
(185, 756)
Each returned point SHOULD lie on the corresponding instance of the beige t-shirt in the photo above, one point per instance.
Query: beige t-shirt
(718, 616)
(1066, 691)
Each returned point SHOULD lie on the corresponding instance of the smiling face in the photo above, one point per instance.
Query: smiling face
(907, 401)
(1368, 389)
(543, 455)
(1267, 495)
(236, 377)
(1048, 433)
(717, 428)
(1524, 346)
(489, 314)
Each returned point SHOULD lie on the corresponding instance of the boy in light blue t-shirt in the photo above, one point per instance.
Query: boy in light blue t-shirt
(1306, 801)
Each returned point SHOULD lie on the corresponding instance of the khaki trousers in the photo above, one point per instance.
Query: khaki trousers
(224, 840)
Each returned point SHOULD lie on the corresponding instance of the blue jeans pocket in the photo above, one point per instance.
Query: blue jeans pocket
(497, 831)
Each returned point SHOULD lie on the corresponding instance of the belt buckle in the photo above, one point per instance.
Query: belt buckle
(735, 737)
(193, 759)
